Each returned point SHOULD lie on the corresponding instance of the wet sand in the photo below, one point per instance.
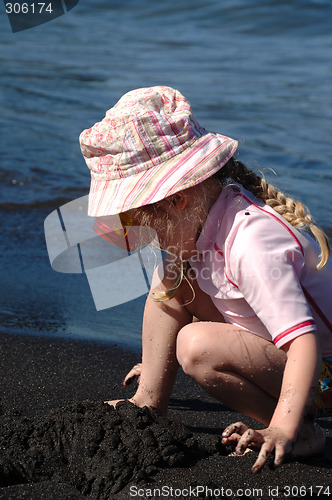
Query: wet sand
(59, 441)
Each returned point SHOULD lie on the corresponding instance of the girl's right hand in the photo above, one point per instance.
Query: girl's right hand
(134, 372)
(266, 441)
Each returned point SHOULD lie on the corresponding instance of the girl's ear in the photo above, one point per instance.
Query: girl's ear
(179, 200)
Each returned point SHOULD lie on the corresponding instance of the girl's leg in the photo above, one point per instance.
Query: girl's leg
(236, 367)
(243, 371)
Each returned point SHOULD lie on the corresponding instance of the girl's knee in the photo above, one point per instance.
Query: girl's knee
(191, 348)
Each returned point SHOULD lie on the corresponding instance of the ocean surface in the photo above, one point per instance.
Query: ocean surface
(256, 70)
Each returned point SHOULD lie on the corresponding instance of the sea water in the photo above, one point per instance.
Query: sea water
(258, 71)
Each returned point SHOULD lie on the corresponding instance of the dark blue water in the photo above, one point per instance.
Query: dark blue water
(259, 71)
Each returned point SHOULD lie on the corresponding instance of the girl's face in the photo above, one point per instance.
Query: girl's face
(184, 229)
(123, 231)
(178, 219)
(175, 228)
(188, 212)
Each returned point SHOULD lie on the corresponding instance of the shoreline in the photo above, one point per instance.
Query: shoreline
(41, 375)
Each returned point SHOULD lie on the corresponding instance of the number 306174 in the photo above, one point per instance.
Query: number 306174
(28, 8)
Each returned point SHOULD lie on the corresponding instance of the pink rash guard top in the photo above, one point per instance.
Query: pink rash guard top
(261, 272)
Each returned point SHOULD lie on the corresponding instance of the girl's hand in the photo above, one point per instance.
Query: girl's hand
(114, 402)
(134, 372)
(267, 440)
(129, 378)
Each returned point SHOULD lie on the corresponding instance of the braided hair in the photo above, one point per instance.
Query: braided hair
(295, 212)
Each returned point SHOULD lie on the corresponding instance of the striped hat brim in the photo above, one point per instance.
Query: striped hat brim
(204, 158)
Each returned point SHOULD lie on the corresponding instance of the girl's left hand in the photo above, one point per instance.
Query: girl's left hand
(135, 372)
(267, 440)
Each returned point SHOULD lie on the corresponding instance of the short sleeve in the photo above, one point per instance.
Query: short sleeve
(266, 260)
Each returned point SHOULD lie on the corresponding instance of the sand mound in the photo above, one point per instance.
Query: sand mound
(96, 448)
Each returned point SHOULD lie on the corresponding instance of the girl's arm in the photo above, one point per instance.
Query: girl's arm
(161, 323)
(297, 393)
(299, 384)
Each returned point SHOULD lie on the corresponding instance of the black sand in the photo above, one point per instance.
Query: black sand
(59, 441)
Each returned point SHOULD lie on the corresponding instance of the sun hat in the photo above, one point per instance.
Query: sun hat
(148, 147)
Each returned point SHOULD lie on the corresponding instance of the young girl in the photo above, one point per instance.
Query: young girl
(242, 302)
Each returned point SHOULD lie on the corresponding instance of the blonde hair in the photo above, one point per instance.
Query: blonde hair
(157, 215)
(294, 212)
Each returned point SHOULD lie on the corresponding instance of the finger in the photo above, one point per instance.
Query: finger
(236, 428)
(134, 372)
(136, 369)
(129, 380)
(279, 456)
(233, 438)
(263, 456)
(250, 437)
(114, 402)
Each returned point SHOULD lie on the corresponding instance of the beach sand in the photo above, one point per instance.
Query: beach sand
(59, 441)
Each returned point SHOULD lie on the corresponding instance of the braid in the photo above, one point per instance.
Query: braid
(294, 212)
